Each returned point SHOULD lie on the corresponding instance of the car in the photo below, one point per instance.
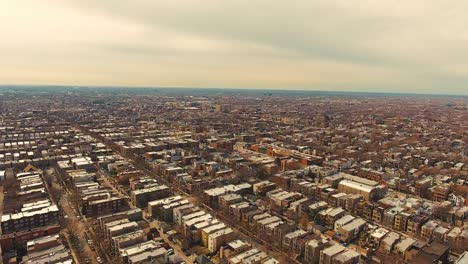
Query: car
(99, 260)
(170, 251)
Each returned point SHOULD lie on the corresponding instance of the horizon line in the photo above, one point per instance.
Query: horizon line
(231, 88)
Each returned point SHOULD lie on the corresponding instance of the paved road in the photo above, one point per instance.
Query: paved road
(75, 228)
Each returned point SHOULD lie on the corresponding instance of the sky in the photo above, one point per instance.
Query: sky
(418, 46)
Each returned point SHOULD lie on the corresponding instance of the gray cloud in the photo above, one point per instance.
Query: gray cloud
(401, 46)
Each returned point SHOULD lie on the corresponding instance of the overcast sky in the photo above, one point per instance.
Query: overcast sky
(376, 45)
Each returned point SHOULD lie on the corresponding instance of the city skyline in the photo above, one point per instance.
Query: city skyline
(320, 45)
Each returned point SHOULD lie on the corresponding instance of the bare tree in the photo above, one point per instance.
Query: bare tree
(304, 221)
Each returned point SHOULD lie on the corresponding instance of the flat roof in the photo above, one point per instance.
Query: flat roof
(255, 257)
(405, 244)
(144, 246)
(296, 233)
(122, 226)
(336, 211)
(238, 258)
(221, 232)
(333, 250)
(44, 210)
(269, 220)
(356, 223)
(165, 200)
(204, 224)
(344, 220)
(357, 185)
(380, 232)
(237, 243)
(199, 219)
(152, 189)
(213, 228)
(346, 255)
(147, 254)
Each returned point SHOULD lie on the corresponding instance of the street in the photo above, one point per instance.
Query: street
(75, 227)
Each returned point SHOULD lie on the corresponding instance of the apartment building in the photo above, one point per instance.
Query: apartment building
(219, 238)
(30, 219)
(141, 197)
(369, 190)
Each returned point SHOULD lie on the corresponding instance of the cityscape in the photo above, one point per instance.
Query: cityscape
(233, 132)
(161, 175)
